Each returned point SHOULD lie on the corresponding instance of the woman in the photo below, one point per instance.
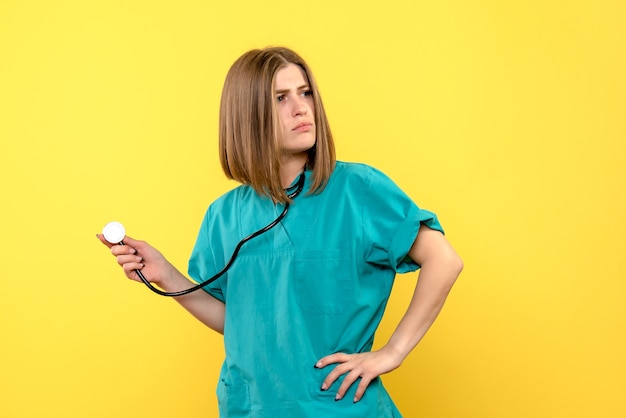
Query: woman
(300, 305)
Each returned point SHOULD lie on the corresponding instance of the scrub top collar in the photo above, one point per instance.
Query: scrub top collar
(294, 184)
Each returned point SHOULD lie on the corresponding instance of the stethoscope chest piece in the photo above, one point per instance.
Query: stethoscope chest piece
(114, 232)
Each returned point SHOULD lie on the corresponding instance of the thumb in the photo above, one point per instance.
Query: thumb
(132, 242)
(140, 246)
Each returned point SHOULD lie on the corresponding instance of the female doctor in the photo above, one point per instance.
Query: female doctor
(301, 303)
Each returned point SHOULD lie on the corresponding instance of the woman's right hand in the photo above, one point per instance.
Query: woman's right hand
(139, 255)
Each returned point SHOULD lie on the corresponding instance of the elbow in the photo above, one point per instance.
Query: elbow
(452, 265)
(456, 265)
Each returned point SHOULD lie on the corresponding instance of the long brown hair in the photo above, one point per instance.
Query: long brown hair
(249, 138)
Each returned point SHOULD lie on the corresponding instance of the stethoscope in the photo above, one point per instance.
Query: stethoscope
(114, 232)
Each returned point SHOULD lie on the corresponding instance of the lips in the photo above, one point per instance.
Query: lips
(303, 127)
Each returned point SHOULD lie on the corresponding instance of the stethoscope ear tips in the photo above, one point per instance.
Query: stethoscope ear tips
(114, 232)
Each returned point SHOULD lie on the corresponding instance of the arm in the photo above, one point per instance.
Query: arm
(139, 255)
(440, 267)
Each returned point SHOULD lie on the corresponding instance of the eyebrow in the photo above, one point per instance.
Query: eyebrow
(302, 87)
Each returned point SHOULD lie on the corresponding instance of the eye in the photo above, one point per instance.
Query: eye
(280, 97)
(307, 93)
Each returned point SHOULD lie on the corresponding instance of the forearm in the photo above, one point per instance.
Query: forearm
(436, 279)
(203, 306)
(433, 286)
(136, 255)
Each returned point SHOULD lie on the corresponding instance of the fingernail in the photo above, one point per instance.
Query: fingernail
(324, 386)
(318, 364)
(337, 398)
(355, 400)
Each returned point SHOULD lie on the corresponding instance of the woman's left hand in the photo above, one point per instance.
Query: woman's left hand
(366, 366)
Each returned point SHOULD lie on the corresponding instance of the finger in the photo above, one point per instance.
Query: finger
(347, 382)
(104, 241)
(360, 390)
(332, 359)
(129, 268)
(118, 250)
(334, 375)
(128, 258)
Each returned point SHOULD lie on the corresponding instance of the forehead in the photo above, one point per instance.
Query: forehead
(290, 76)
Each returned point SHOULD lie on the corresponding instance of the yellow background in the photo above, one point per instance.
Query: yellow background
(506, 118)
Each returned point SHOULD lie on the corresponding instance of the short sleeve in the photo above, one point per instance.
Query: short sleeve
(391, 223)
(202, 262)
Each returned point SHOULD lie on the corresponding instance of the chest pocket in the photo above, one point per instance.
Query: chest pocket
(324, 282)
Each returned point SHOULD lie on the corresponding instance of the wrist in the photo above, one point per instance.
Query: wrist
(173, 281)
(396, 355)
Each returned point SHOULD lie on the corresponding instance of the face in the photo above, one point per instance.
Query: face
(294, 101)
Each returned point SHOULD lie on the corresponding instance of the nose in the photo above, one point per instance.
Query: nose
(299, 107)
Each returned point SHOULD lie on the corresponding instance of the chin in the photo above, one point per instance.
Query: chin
(300, 146)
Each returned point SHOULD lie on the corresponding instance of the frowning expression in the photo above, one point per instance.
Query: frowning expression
(296, 110)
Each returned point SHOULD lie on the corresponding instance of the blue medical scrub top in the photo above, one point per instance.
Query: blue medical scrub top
(314, 285)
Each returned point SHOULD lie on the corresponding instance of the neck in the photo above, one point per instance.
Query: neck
(291, 168)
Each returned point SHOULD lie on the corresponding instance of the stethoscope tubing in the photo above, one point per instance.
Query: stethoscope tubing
(219, 274)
